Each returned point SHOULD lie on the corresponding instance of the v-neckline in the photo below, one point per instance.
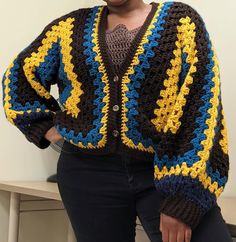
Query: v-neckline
(126, 63)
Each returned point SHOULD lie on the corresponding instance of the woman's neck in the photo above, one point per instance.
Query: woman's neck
(128, 9)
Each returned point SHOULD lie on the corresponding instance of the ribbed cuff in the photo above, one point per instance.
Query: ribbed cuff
(182, 209)
(37, 131)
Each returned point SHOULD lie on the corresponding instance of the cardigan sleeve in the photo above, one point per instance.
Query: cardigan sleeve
(191, 161)
(26, 85)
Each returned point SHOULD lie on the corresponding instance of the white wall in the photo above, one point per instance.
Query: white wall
(21, 21)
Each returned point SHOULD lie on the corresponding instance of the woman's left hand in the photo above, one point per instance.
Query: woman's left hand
(174, 230)
(53, 135)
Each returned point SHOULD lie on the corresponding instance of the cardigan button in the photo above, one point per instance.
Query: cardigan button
(116, 108)
(115, 133)
(116, 78)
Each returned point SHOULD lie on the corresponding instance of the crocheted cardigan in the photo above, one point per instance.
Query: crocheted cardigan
(165, 102)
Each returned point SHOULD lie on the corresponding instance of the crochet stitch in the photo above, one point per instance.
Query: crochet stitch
(118, 41)
(164, 103)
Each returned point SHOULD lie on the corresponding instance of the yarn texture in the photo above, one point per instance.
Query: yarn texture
(163, 103)
(118, 42)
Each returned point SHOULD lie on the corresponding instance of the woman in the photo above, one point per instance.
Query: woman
(140, 87)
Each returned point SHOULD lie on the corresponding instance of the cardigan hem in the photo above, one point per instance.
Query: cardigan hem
(113, 148)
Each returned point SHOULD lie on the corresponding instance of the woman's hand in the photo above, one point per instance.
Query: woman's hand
(174, 230)
(53, 135)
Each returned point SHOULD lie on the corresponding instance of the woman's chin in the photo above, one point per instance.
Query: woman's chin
(115, 2)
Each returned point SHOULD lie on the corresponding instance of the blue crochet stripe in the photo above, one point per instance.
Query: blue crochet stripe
(187, 187)
(190, 157)
(48, 67)
(93, 136)
(216, 176)
(138, 76)
(14, 79)
(64, 95)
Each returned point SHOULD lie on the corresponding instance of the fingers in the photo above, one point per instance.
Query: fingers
(188, 235)
(165, 235)
(160, 223)
(174, 230)
(180, 236)
(173, 236)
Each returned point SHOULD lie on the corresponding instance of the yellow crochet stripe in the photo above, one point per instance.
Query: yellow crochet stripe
(72, 101)
(224, 141)
(30, 63)
(104, 79)
(213, 111)
(171, 104)
(198, 169)
(11, 114)
(126, 80)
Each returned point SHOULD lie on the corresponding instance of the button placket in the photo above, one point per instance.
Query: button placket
(115, 108)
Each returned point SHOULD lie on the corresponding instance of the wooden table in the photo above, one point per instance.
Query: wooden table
(50, 199)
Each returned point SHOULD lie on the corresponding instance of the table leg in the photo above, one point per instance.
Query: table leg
(14, 217)
(70, 234)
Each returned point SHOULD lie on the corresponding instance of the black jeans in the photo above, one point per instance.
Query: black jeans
(103, 195)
